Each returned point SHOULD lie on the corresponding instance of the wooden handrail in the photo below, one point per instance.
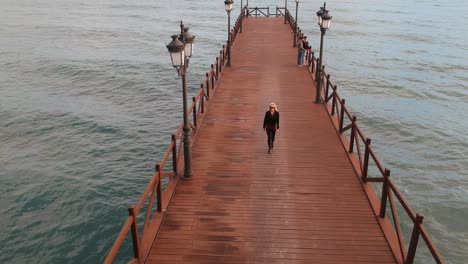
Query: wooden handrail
(396, 222)
(118, 241)
(389, 188)
(151, 202)
(154, 186)
(377, 162)
(169, 151)
(402, 201)
(145, 194)
(432, 248)
(258, 10)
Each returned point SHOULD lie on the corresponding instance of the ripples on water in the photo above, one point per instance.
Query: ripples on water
(88, 101)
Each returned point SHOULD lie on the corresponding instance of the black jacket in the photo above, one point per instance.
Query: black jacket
(271, 121)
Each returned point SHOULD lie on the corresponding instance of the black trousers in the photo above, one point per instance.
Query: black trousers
(271, 136)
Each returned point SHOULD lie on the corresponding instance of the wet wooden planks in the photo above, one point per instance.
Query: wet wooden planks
(301, 204)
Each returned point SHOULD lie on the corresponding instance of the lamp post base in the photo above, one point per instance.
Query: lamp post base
(186, 178)
(187, 155)
(229, 54)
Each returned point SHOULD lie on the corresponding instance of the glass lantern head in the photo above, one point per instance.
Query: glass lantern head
(228, 5)
(326, 20)
(189, 40)
(176, 50)
(319, 16)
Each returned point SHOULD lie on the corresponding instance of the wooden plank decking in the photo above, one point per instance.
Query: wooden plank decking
(301, 204)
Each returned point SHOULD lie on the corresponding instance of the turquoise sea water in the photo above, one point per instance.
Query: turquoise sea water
(88, 100)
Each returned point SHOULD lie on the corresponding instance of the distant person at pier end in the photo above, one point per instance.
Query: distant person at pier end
(271, 124)
(300, 52)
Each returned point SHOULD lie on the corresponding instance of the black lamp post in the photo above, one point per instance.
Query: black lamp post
(285, 9)
(295, 25)
(228, 5)
(181, 49)
(324, 21)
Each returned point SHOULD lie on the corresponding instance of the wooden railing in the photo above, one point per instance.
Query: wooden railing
(258, 11)
(359, 145)
(280, 11)
(142, 241)
(264, 11)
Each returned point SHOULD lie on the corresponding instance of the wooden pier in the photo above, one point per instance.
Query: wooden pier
(310, 201)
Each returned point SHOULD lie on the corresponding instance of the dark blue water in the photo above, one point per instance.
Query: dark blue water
(88, 100)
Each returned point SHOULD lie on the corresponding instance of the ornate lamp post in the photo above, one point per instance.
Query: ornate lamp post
(228, 5)
(295, 25)
(324, 21)
(181, 49)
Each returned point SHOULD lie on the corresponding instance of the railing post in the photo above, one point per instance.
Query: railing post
(158, 189)
(366, 160)
(334, 100)
(174, 154)
(414, 239)
(327, 86)
(383, 200)
(217, 68)
(202, 103)
(222, 55)
(343, 101)
(241, 17)
(285, 15)
(221, 61)
(352, 136)
(212, 80)
(207, 85)
(194, 111)
(135, 240)
(313, 63)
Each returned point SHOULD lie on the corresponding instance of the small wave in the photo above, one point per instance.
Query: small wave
(410, 37)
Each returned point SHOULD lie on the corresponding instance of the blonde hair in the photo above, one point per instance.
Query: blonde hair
(272, 104)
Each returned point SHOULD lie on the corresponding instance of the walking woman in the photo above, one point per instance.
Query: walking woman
(271, 124)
